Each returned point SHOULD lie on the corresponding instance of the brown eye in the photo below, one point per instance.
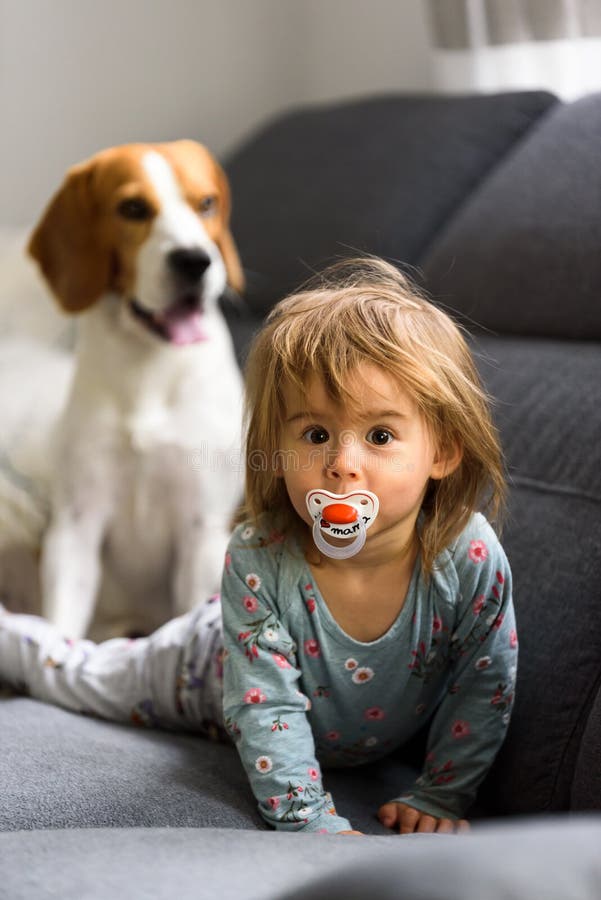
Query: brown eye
(315, 435)
(379, 436)
(207, 206)
(135, 208)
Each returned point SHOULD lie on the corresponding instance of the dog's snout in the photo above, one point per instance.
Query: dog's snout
(189, 263)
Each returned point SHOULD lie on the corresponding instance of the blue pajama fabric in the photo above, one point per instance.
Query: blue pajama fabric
(301, 694)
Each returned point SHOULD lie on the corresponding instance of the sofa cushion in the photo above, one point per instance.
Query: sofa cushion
(380, 175)
(63, 770)
(522, 256)
(548, 397)
(557, 860)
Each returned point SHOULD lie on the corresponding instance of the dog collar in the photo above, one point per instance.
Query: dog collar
(343, 516)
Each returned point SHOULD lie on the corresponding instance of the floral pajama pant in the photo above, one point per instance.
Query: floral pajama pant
(171, 679)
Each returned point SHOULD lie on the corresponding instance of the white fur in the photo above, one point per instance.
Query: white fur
(148, 472)
(177, 225)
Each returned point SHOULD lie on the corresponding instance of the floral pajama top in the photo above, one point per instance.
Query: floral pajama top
(299, 693)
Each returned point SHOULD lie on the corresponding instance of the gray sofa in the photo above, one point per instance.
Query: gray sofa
(493, 204)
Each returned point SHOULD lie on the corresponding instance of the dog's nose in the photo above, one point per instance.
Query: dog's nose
(189, 263)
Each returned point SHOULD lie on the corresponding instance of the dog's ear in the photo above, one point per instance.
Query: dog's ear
(225, 240)
(67, 244)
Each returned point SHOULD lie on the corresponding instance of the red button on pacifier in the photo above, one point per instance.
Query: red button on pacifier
(340, 514)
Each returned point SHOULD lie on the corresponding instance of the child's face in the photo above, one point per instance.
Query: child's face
(384, 447)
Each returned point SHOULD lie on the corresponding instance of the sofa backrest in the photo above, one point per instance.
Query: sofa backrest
(547, 406)
(380, 175)
(523, 254)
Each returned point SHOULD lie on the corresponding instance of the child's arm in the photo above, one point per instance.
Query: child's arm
(471, 720)
(264, 710)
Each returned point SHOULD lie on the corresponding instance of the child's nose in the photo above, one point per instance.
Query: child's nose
(342, 463)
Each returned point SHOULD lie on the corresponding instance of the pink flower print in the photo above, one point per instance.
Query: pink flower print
(333, 736)
(251, 651)
(498, 621)
(308, 587)
(253, 581)
(513, 639)
(447, 777)
(263, 764)
(321, 691)
(374, 713)
(274, 802)
(350, 665)
(460, 729)
(313, 774)
(281, 661)
(478, 604)
(500, 578)
(254, 695)
(275, 537)
(312, 648)
(436, 624)
(228, 562)
(483, 663)
(278, 725)
(250, 603)
(311, 605)
(362, 675)
(478, 551)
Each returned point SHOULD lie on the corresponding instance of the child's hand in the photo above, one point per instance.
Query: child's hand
(408, 820)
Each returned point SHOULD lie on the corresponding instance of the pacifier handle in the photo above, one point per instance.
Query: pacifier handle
(339, 552)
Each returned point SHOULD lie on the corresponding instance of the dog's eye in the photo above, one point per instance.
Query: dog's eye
(207, 206)
(135, 208)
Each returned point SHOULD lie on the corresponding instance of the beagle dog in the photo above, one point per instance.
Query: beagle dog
(137, 243)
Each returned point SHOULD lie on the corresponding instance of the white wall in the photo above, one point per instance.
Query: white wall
(353, 47)
(79, 75)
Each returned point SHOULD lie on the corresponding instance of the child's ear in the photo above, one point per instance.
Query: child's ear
(446, 460)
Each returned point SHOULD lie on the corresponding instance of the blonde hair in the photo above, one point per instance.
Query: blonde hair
(366, 310)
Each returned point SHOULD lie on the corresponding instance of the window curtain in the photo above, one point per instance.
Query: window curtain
(490, 45)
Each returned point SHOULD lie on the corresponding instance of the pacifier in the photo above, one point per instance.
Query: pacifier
(344, 516)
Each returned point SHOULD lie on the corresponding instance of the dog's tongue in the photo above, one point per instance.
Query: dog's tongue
(183, 326)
